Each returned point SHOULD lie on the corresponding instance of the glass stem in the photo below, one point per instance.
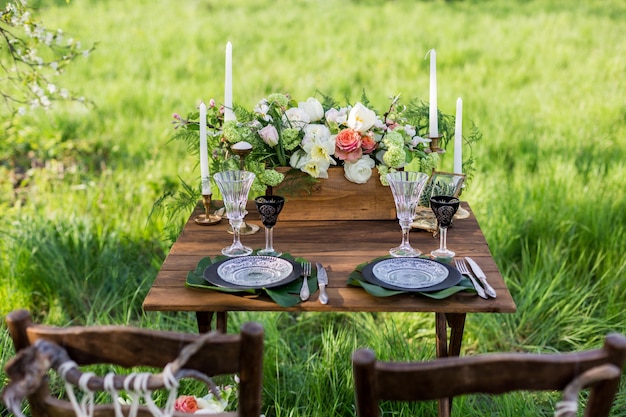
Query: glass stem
(269, 239)
(236, 234)
(405, 235)
(443, 234)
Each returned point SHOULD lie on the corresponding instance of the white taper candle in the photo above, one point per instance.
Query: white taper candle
(432, 119)
(228, 84)
(204, 155)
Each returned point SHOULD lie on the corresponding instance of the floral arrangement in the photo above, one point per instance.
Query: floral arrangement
(312, 135)
(209, 404)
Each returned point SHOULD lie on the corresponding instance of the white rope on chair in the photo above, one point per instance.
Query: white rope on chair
(44, 355)
(86, 406)
(109, 387)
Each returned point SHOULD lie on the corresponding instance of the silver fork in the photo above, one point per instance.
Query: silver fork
(306, 271)
(460, 265)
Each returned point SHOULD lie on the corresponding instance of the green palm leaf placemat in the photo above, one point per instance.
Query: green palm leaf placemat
(287, 295)
(356, 279)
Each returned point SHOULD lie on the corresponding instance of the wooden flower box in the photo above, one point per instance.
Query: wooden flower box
(334, 198)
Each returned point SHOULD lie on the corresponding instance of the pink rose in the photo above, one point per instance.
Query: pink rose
(186, 404)
(368, 144)
(348, 145)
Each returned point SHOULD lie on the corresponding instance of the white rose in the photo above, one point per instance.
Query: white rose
(313, 108)
(361, 118)
(360, 171)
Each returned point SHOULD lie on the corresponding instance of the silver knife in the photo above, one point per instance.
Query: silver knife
(322, 280)
(481, 276)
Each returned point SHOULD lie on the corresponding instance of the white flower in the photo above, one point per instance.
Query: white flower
(295, 117)
(318, 143)
(360, 171)
(211, 405)
(418, 139)
(337, 116)
(410, 130)
(315, 133)
(263, 108)
(361, 118)
(313, 108)
(316, 168)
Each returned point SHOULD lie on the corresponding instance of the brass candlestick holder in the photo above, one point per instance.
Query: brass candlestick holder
(208, 218)
(434, 144)
(242, 149)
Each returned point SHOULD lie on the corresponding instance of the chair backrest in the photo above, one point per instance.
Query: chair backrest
(210, 354)
(491, 374)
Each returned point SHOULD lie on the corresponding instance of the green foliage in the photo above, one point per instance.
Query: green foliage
(543, 80)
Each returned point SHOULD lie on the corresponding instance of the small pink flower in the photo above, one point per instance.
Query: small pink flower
(186, 404)
(269, 134)
(176, 116)
(212, 103)
(368, 143)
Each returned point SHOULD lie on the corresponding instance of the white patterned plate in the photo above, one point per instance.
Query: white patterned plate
(252, 272)
(411, 274)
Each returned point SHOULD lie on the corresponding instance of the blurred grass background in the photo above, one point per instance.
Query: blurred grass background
(543, 80)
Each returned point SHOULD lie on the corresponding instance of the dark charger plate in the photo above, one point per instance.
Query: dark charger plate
(212, 276)
(452, 278)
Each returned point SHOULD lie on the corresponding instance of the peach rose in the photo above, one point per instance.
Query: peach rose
(348, 145)
(186, 404)
(368, 144)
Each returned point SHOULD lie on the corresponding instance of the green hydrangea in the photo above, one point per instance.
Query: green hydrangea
(278, 98)
(383, 170)
(272, 177)
(290, 138)
(234, 133)
(395, 157)
(393, 139)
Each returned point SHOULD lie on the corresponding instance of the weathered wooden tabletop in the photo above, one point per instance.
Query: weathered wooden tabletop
(340, 246)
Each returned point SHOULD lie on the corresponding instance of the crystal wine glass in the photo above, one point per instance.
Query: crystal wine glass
(269, 207)
(235, 186)
(406, 187)
(444, 207)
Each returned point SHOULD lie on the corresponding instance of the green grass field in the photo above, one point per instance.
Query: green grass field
(543, 80)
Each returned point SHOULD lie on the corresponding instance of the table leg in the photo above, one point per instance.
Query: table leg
(221, 324)
(456, 321)
(441, 331)
(203, 318)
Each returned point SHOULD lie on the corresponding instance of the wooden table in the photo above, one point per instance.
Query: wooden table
(339, 245)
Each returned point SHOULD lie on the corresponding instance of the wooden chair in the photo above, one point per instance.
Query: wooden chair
(492, 374)
(198, 356)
